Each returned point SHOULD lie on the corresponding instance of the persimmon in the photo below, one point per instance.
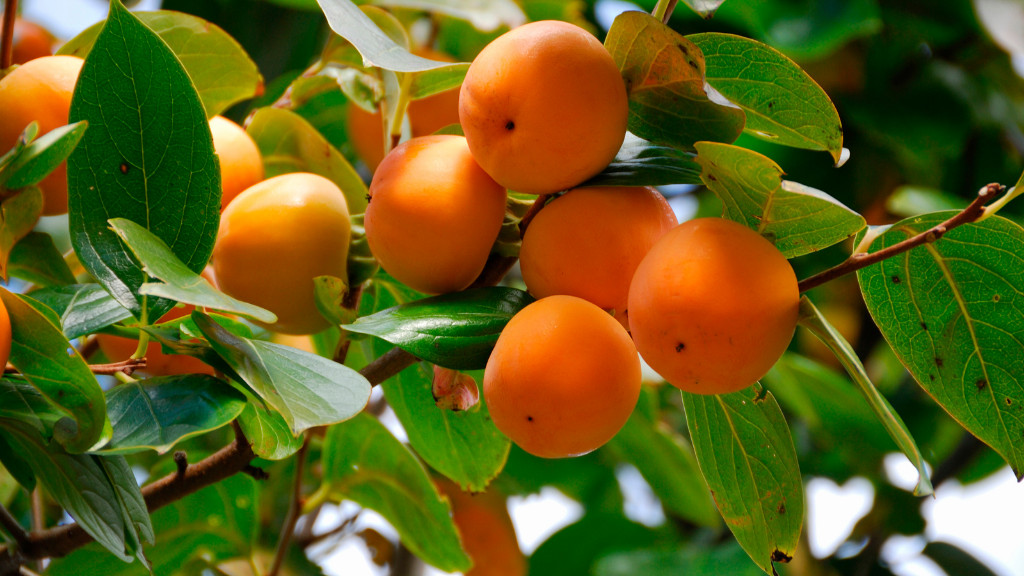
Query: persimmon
(241, 165)
(486, 530)
(712, 306)
(31, 41)
(543, 107)
(426, 116)
(275, 238)
(563, 377)
(40, 90)
(117, 348)
(6, 335)
(433, 214)
(588, 243)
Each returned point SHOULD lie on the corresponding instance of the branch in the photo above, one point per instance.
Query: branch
(10, 523)
(126, 367)
(971, 213)
(294, 508)
(7, 34)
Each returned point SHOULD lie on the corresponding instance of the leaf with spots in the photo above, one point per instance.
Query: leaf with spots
(797, 219)
(783, 103)
(953, 311)
(147, 157)
(746, 453)
(669, 101)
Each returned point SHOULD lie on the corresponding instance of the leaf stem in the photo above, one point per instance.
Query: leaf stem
(294, 511)
(663, 10)
(126, 367)
(7, 34)
(972, 213)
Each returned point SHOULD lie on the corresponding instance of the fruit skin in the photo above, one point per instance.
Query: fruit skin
(563, 378)
(117, 349)
(433, 214)
(712, 306)
(588, 243)
(277, 236)
(241, 165)
(40, 90)
(426, 116)
(544, 107)
(31, 41)
(487, 533)
(6, 335)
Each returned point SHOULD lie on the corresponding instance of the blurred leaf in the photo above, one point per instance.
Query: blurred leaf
(16, 463)
(692, 560)
(955, 560)
(147, 157)
(267, 430)
(181, 282)
(36, 259)
(330, 293)
(783, 104)
(157, 413)
(308, 390)
(664, 74)
(797, 219)
(484, 15)
(364, 463)
(706, 8)
(746, 453)
(907, 201)
(577, 548)
(455, 330)
(46, 359)
(952, 312)
(223, 74)
(641, 163)
(288, 143)
(83, 308)
(43, 156)
(811, 319)
(432, 82)
(19, 213)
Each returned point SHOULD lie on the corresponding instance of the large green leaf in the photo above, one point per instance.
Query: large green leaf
(664, 73)
(157, 413)
(221, 71)
(147, 156)
(288, 143)
(484, 15)
(19, 213)
(35, 259)
(641, 163)
(181, 283)
(746, 453)
(83, 308)
(783, 103)
(308, 390)
(953, 312)
(41, 353)
(364, 463)
(455, 330)
(797, 219)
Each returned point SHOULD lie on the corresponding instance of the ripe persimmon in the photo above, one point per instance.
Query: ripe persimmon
(275, 238)
(712, 306)
(543, 107)
(588, 243)
(563, 377)
(117, 348)
(31, 41)
(433, 214)
(241, 165)
(40, 90)
(6, 335)
(426, 116)
(486, 530)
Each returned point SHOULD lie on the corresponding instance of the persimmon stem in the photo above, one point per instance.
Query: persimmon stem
(859, 260)
(7, 34)
(126, 367)
(663, 10)
(294, 511)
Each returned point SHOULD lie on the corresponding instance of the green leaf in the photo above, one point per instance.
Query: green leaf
(746, 454)
(691, 560)
(147, 157)
(181, 282)
(22, 402)
(19, 213)
(952, 312)
(35, 259)
(137, 525)
(783, 103)
(16, 463)
(330, 293)
(157, 413)
(577, 548)
(484, 15)
(364, 463)
(83, 308)
(664, 73)
(308, 390)
(811, 319)
(455, 330)
(464, 446)
(797, 219)
(641, 163)
(907, 201)
(377, 48)
(223, 74)
(288, 143)
(431, 82)
(955, 560)
(46, 359)
(267, 430)
(667, 463)
(43, 156)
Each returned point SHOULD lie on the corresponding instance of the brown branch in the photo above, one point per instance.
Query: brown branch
(314, 539)
(7, 34)
(127, 367)
(10, 523)
(861, 260)
(294, 511)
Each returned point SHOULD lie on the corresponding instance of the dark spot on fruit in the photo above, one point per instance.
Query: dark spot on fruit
(680, 347)
(938, 362)
(529, 418)
(510, 125)
(683, 49)
(780, 556)
(981, 384)
(995, 298)
(924, 326)
(896, 280)
(782, 508)
(124, 167)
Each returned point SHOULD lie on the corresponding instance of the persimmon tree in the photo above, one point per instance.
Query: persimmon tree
(910, 334)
